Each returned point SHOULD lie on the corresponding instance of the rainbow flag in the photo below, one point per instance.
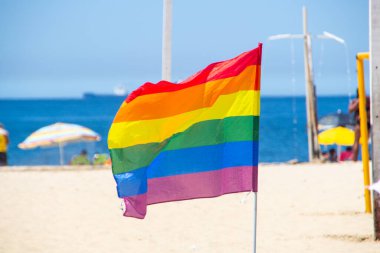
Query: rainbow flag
(194, 139)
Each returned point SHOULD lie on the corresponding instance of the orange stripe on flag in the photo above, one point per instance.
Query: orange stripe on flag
(186, 100)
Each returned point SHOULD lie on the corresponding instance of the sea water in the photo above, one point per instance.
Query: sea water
(283, 132)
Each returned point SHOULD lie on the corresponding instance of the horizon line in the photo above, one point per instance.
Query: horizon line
(82, 97)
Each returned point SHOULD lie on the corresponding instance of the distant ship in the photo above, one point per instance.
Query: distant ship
(118, 92)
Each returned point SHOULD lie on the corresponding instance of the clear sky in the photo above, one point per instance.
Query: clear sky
(51, 48)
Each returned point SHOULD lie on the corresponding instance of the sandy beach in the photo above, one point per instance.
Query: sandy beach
(301, 208)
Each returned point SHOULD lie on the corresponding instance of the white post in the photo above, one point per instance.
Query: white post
(374, 58)
(254, 220)
(310, 94)
(307, 77)
(167, 40)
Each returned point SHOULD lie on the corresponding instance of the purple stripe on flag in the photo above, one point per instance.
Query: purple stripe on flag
(135, 206)
(190, 186)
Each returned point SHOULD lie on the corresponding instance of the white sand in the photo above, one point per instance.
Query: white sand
(301, 208)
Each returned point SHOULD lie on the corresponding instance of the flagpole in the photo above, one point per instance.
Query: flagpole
(254, 220)
(167, 40)
(255, 177)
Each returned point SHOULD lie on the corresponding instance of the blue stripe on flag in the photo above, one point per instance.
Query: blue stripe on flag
(188, 161)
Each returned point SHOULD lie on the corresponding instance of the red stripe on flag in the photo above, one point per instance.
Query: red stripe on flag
(214, 71)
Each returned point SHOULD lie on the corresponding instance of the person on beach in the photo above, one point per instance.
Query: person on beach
(4, 141)
(325, 156)
(346, 155)
(100, 159)
(354, 108)
(332, 155)
(80, 159)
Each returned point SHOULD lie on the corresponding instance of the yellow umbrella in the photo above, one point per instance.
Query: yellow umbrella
(340, 136)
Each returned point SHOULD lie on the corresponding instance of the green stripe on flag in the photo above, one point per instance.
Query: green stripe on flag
(210, 132)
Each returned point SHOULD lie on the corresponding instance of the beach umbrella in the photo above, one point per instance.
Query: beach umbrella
(58, 134)
(340, 136)
(334, 120)
(3, 131)
(375, 187)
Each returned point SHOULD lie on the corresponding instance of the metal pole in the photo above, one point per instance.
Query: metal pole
(313, 146)
(363, 128)
(374, 38)
(167, 40)
(311, 101)
(254, 220)
(60, 145)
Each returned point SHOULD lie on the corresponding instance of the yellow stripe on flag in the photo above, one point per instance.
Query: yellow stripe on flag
(126, 134)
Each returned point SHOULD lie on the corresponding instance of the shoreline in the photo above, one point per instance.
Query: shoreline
(26, 168)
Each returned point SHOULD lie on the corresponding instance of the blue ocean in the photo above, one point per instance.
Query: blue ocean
(283, 133)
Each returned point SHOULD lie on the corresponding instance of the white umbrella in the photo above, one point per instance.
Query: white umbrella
(375, 187)
(58, 134)
(3, 131)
